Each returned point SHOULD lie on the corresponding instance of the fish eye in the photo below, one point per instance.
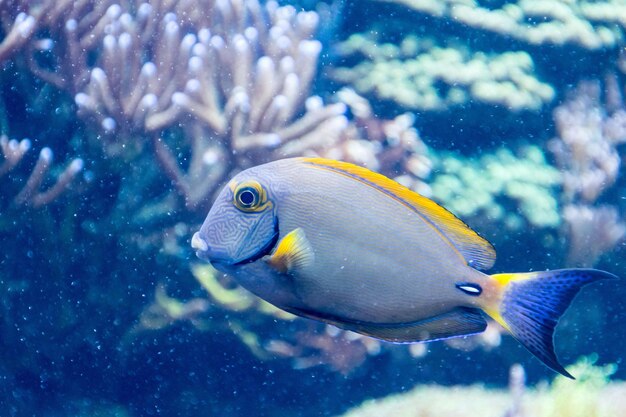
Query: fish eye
(247, 197)
(250, 197)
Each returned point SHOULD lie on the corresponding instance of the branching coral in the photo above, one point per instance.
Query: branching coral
(17, 28)
(588, 24)
(341, 350)
(586, 397)
(69, 29)
(166, 310)
(31, 193)
(586, 150)
(591, 395)
(419, 74)
(586, 146)
(497, 183)
(235, 82)
(234, 78)
(591, 232)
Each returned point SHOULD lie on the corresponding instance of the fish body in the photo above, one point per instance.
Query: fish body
(338, 243)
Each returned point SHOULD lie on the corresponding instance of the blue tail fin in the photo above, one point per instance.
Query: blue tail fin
(530, 305)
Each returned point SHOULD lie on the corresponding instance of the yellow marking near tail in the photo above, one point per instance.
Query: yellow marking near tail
(491, 303)
(505, 279)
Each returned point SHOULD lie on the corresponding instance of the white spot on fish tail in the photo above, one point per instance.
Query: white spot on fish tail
(470, 288)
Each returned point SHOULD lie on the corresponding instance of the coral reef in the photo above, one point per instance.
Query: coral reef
(233, 80)
(30, 192)
(591, 395)
(589, 132)
(165, 99)
(236, 83)
(420, 74)
(591, 25)
(392, 147)
(494, 185)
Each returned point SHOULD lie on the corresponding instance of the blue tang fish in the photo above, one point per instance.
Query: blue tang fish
(335, 242)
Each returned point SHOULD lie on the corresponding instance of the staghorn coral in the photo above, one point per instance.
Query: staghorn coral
(420, 74)
(232, 76)
(587, 24)
(589, 132)
(54, 37)
(496, 183)
(236, 84)
(166, 310)
(18, 29)
(31, 193)
(342, 351)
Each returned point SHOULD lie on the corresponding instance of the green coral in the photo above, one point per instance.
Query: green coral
(584, 397)
(437, 401)
(591, 395)
(419, 74)
(498, 183)
(587, 24)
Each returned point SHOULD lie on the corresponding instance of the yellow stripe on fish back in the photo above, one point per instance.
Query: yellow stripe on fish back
(474, 249)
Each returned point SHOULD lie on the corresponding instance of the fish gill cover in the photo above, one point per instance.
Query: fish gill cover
(121, 120)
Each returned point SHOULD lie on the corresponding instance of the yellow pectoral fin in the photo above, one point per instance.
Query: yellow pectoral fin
(293, 251)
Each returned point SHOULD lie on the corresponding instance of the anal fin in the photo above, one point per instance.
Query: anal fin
(458, 322)
(461, 321)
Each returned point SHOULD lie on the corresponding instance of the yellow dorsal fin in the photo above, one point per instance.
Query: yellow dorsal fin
(292, 252)
(476, 251)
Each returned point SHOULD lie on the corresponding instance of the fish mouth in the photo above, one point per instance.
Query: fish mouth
(203, 251)
(200, 245)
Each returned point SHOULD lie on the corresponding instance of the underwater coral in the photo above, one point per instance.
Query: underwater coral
(591, 395)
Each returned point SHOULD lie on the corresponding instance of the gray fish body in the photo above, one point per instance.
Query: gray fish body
(336, 242)
(375, 259)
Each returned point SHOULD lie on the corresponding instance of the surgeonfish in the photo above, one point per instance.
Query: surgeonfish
(336, 242)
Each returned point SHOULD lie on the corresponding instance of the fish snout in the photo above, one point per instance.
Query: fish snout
(200, 245)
